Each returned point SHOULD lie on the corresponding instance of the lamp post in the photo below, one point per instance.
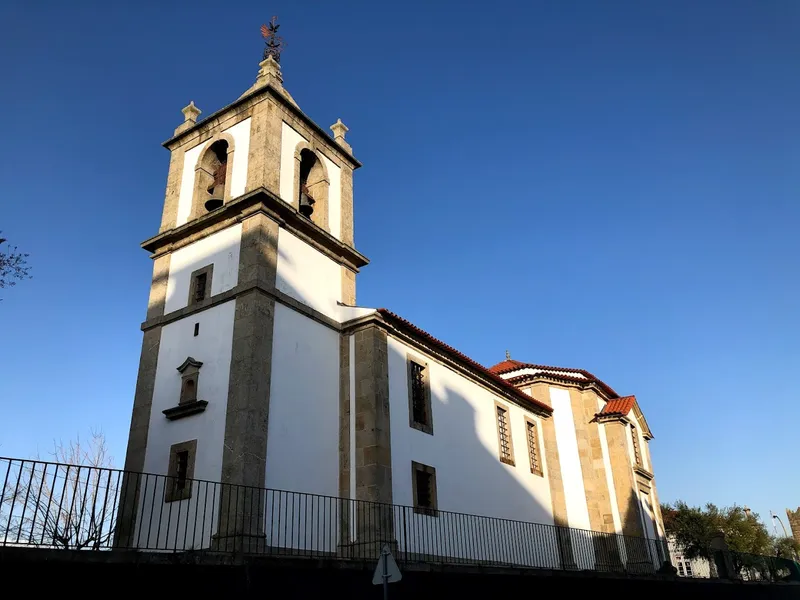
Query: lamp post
(785, 534)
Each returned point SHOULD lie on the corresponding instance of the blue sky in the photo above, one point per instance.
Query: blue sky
(611, 186)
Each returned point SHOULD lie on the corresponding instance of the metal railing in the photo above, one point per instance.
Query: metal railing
(729, 564)
(55, 505)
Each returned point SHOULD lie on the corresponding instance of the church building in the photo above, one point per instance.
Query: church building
(260, 370)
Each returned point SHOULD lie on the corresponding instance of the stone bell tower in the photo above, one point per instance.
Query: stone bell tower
(254, 270)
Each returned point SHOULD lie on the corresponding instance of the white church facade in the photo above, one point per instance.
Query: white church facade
(259, 370)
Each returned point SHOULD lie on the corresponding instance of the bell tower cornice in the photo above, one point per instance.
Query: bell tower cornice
(245, 102)
(259, 200)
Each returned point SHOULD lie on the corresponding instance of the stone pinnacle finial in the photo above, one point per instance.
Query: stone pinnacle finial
(508, 355)
(270, 72)
(339, 129)
(190, 114)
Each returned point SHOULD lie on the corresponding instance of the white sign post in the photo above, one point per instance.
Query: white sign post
(386, 571)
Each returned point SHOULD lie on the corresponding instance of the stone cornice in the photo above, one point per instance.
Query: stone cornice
(267, 89)
(232, 293)
(264, 201)
(189, 362)
(642, 472)
(185, 410)
(444, 358)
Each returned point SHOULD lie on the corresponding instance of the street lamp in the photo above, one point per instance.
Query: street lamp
(785, 534)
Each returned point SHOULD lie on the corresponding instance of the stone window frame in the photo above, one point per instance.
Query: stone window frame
(322, 202)
(412, 360)
(172, 493)
(208, 270)
(433, 509)
(505, 460)
(536, 450)
(201, 175)
(190, 372)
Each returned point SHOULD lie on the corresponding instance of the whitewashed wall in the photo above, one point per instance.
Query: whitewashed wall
(241, 140)
(221, 249)
(469, 475)
(307, 275)
(303, 436)
(334, 198)
(289, 140)
(571, 474)
(212, 347)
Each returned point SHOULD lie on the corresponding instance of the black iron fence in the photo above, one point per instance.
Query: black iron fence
(53, 505)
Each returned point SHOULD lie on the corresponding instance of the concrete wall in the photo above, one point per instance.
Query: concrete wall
(241, 139)
(207, 575)
(469, 475)
(307, 275)
(221, 249)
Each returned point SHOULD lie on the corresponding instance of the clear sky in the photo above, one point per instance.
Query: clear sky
(604, 185)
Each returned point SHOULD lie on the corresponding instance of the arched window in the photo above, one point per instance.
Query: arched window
(312, 194)
(212, 185)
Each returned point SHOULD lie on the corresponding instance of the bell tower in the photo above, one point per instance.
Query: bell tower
(254, 270)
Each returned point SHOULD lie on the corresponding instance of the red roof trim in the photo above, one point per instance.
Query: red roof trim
(464, 358)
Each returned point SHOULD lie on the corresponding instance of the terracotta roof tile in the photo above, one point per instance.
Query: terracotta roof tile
(397, 319)
(618, 406)
(505, 366)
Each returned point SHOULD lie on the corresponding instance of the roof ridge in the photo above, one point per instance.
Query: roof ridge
(448, 348)
(499, 370)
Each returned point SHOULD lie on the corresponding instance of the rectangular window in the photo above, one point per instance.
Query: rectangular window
(637, 453)
(504, 434)
(534, 455)
(688, 568)
(680, 569)
(419, 396)
(200, 284)
(423, 481)
(180, 471)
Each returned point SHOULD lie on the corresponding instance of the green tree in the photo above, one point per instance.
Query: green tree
(693, 528)
(786, 547)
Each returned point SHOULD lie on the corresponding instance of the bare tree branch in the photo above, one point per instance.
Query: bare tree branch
(69, 503)
(13, 265)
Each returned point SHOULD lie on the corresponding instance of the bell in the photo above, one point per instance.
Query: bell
(306, 205)
(213, 204)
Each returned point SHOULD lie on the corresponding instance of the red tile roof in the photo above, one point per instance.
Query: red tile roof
(618, 406)
(508, 366)
(505, 366)
(405, 324)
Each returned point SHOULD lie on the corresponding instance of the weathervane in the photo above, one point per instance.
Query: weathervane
(274, 43)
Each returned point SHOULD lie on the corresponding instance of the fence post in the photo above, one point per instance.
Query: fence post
(722, 557)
